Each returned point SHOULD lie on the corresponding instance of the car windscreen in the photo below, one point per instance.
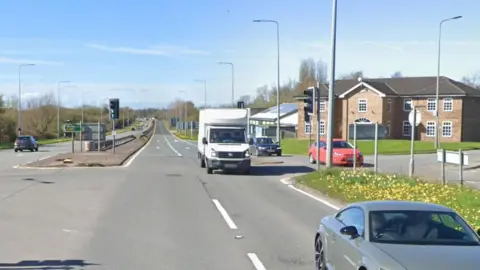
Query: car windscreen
(227, 135)
(24, 138)
(420, 228)
(341, 144)
(264, 141)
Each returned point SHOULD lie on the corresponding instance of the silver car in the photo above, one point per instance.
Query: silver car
(396, 235)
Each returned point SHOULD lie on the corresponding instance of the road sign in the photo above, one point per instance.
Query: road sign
(418, 117)
(73, 128)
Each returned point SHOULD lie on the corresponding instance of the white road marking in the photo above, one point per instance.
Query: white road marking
(225, 215)
(139, 151)
(171, 147)
(158, 141)
(184, 141)
(176, 140)
(325, 202)
(158, 147)
(187, 147)
(256, 261)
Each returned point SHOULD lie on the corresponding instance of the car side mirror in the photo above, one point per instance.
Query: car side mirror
(204, 140)
(350, 231)
(250, 142)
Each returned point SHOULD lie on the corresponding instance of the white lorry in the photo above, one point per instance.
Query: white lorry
(223, 140)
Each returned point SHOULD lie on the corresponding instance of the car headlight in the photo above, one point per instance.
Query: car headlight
(261, 148)
(213, 153)
(279, 148)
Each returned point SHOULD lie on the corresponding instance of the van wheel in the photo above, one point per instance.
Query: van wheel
(202, 162)
(209, 170)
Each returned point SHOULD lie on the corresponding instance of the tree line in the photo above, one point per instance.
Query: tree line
(39, 117)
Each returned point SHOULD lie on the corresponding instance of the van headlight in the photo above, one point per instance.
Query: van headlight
(246, 154)
(213, 153)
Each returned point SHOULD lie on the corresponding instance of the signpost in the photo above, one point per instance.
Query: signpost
(414, 117)
(73, 129)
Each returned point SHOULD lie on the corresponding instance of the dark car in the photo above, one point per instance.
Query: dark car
(26, 143)
(266, 146)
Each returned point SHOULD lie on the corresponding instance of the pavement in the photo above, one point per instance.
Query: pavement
(162, 211)
(9, 159)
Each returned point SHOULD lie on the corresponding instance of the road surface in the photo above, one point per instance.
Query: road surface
(161, 212)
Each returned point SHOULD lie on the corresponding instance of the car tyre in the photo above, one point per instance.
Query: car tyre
(279, 154)
(310, 159)
(320, 263)
(36, 149)
(16, 150)
(32, 149)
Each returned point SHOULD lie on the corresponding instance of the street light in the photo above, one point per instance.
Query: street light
(185, 110)
(331, 101)
(20, 96)
(233, 81)
(205, 91)
(278, 73)
(58, 106)
(438, 77)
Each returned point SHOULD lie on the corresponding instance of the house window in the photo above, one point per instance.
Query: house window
(389, 105)
(323, 106)
(431, 105)
(430, 129)
(407, 105)
(362, 105)
(322, 127)
(308, 128)
(407, 129)
(447, 129)
(388, 128)
(447, 104)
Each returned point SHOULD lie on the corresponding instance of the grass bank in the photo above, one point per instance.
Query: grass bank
(361, 185)
(181, 135)
(385, 147)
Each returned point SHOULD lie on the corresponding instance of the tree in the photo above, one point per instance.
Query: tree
(397, 74)
(311, 73)
(472, 80)
(41, 113)
(353, 75)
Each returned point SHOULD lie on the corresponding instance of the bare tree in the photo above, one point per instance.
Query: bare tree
(397, 74)
(40, 114)
(245, 99)
(472, 80)
(353, 75)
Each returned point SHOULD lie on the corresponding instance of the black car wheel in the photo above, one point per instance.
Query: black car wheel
(319, 255)
(16, 150)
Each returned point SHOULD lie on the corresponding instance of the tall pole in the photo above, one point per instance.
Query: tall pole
(438, 78)
(20, 96)
(331, 101)
(58, 106)
(278, 74)
(233, 81)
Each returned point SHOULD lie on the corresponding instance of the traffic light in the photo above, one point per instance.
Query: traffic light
(114, 108)
(241, 105)
(308, 103)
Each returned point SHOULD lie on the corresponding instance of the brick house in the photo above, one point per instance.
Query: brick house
(388, 101)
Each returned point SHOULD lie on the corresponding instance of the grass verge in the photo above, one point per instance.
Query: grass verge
(181, 135)
(362, 185)
(385, 147)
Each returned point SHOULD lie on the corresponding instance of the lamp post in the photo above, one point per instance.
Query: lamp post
(58, 106)
(278, 73)
(205, 91)
(438, 77)
(331, 87)
(20, 96)
(185, 111)
(233, 81)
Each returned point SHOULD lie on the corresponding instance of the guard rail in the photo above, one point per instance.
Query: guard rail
(120, 140)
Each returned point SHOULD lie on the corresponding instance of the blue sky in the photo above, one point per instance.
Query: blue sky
(145, 51)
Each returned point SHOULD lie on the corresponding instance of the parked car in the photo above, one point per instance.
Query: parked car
(343, 153)
(396, 235)
(25, 143)
(266, 146)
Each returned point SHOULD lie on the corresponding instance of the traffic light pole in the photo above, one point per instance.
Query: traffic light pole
(113, 134)
(316, 112)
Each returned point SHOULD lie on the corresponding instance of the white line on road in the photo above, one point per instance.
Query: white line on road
(171, 147)
(225, 215)
(256, 261)
(158, 147)
(139, 151)
(325, 202)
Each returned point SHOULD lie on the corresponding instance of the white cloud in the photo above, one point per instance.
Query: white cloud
(8, 60)
(153, 50)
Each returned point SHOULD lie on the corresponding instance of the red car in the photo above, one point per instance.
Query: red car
(343, 153)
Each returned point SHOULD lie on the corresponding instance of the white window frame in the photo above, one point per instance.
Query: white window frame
(404, 125)
(307, 124)
(361, 102)
(322, 127)
(389, 105)
(447, 101)
(428, 125)
(405, 102)
(429, 102)
(449, 124)
(322, 106)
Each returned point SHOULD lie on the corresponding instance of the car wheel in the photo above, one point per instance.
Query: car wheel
(16, 150)
(36, 149)
(279, 154)
(33, 149)
(310, 159)
(319, 255)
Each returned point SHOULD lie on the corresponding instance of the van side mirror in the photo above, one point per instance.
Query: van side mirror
(204, 140)
(250, 142)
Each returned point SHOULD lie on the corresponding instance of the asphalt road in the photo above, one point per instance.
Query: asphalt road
(161, 212)
(8, 158)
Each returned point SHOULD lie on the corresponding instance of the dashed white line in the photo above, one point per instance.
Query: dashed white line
(139, 151)
(224, 214)
(171, 147)
(256, 261)
(325, 202)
